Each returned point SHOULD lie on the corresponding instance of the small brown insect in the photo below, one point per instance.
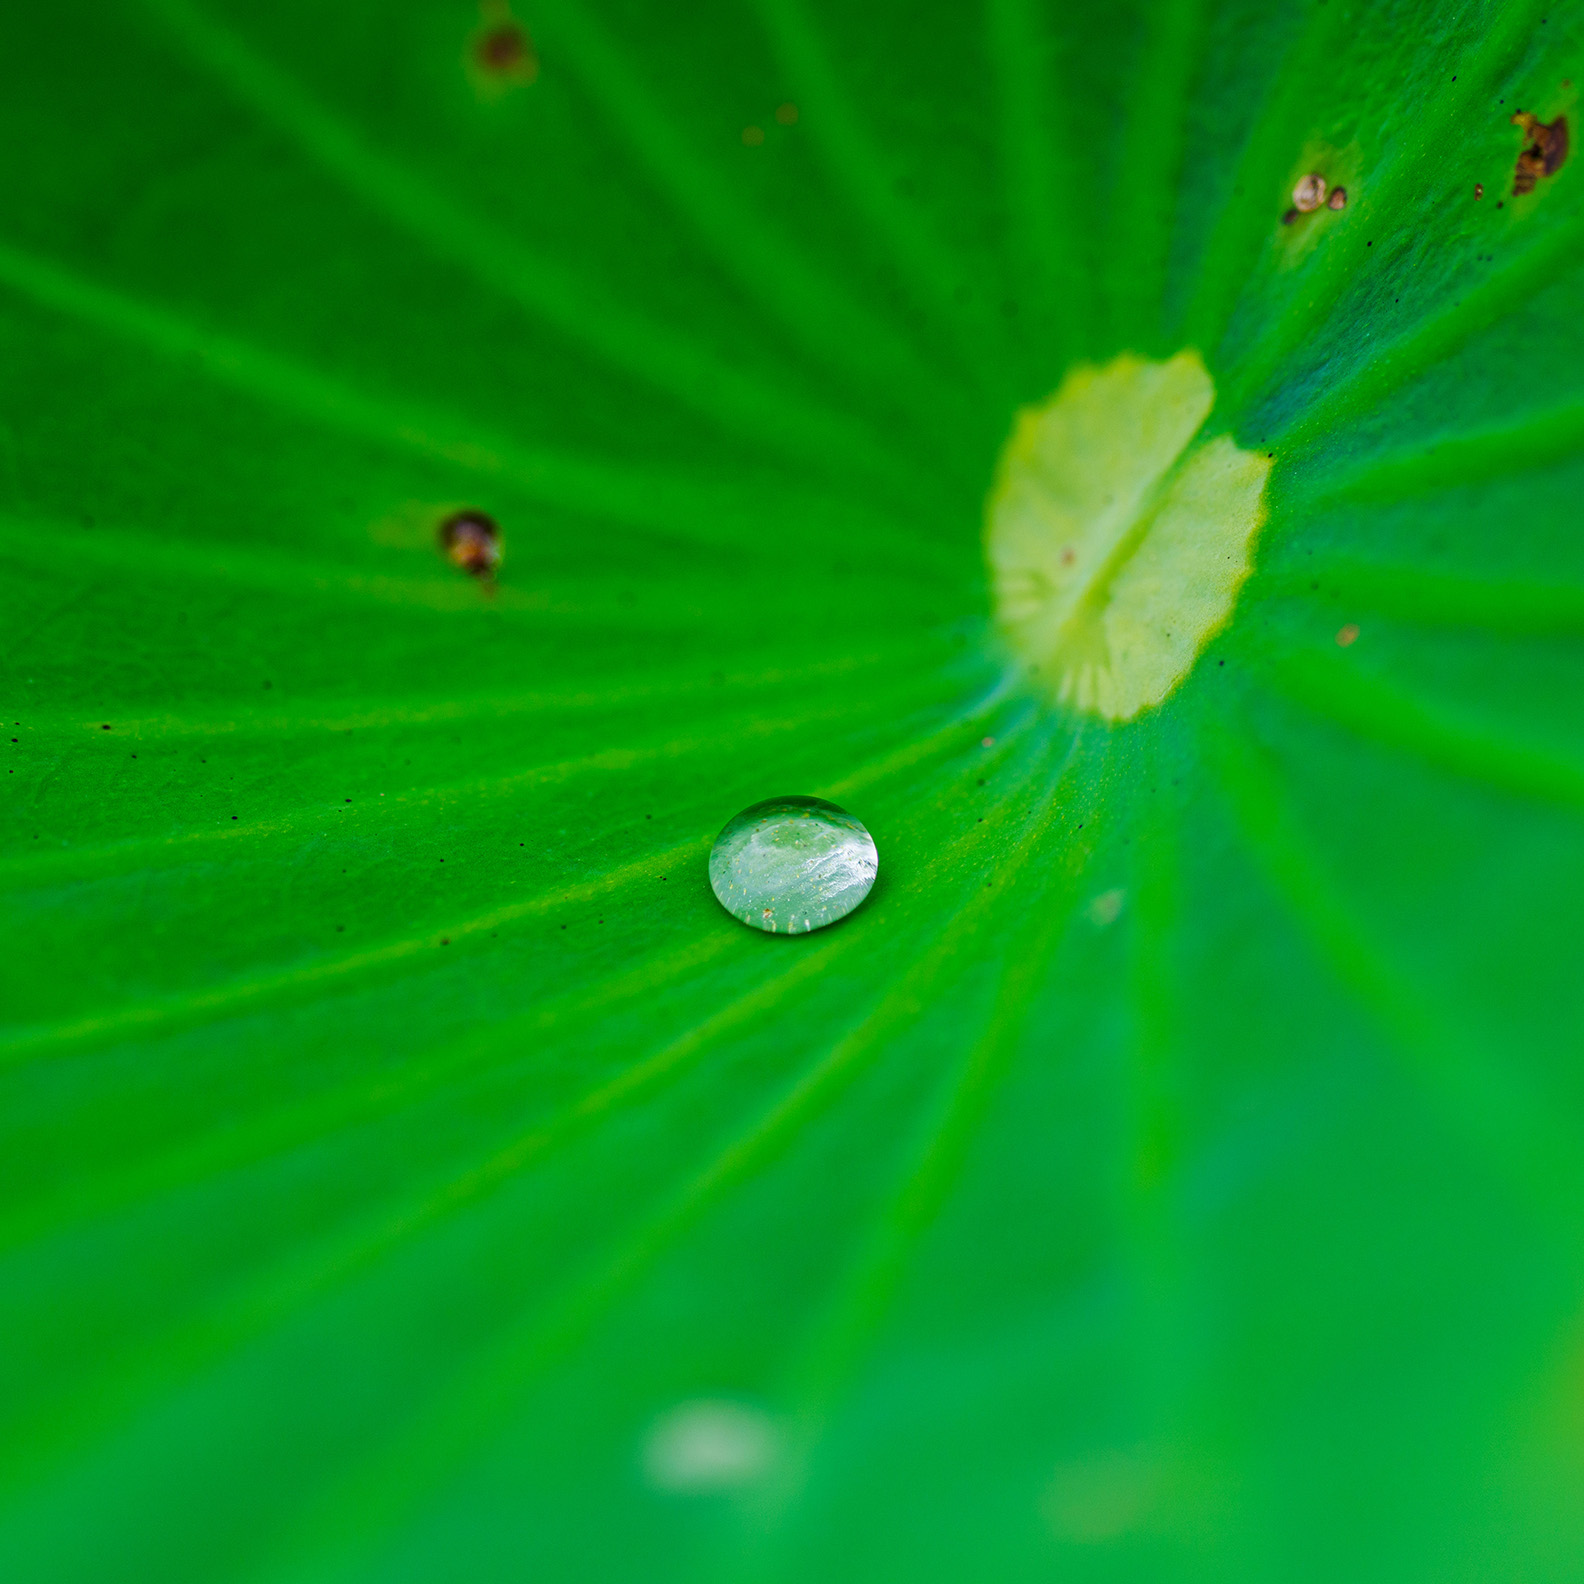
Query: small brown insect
(1543, 154)
(1310, 192)
(1479, 189)
(1338, 198)
(472, 541)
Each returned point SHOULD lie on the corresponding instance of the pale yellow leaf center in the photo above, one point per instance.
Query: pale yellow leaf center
(1117, 535)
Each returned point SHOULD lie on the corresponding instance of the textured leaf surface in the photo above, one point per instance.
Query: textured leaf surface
(1172, 1171)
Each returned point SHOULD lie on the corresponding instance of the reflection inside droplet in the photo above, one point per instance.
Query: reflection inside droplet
(792, 864)
(709, 1446)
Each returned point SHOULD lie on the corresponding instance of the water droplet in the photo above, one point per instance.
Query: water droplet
(709, 1446)
(792, 864)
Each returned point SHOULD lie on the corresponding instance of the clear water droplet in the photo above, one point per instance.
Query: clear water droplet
(792, 864)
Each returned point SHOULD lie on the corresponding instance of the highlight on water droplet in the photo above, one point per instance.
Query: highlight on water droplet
(790, 865)
(701, 1447)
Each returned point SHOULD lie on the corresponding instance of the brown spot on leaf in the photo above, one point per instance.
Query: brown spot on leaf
(1479, 189)
(1544, 151)
(1347, 635)
(753, 136)
(1310, 192)
(503, 53)
(787, 114)
(1338, 198)
(471, 541)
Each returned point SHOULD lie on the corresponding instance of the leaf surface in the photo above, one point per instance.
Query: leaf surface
(410, 1171)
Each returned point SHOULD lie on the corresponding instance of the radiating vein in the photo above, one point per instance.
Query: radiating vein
(857, 166)
(471, 793)
(1149, 170)
(336, 716)
(1044, 897)
(321, 1267)
(366, 1098)
(1426, 596)
(1396, 187)
(1366, 703)
(1039, 166)
(318, 1267)
(494, 1384)
(1243, 224)
(766, 262)
(1450, 461)
(1370, 380)
(235, 995)
(1487, 1104)
(562, 297)
(588, 484)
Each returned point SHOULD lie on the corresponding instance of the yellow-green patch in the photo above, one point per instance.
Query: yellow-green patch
(1117, 536)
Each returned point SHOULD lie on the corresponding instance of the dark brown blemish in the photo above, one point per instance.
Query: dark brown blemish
(1479, 189)
(502, 50)
(1543, 154)
(472, 541)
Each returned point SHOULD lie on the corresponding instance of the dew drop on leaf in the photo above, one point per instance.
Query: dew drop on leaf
(792, 864)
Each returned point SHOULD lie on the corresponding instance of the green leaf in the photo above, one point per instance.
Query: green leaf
(411, 1172)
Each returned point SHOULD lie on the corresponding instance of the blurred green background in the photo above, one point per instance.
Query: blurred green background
(410, 1172)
